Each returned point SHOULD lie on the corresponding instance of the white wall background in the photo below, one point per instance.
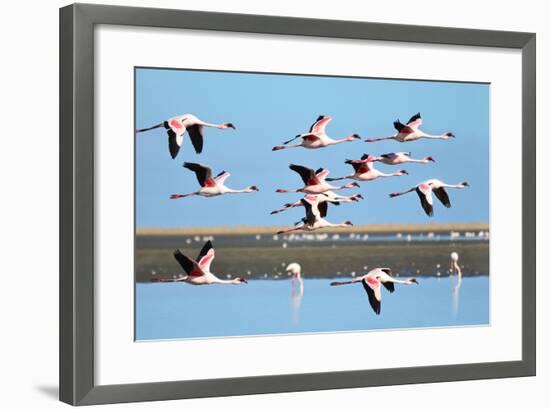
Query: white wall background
(29, 200)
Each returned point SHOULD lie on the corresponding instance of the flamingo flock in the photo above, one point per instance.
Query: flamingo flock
(318, 192)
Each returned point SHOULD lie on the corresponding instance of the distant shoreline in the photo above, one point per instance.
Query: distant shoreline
(368, 229)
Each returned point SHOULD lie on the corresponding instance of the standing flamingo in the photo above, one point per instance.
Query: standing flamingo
(297, 292)
(177, 126)
(455, 268)
(329, 196)
(411, 132)
(397, 158)
(210, 186)
(364, 170)
(315, 181)
(316, 212)
(296, 270)
(425, 189)
(372, 282)
(316, 137)
(198, 272)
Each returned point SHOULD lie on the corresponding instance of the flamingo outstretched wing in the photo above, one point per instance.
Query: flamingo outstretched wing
(308, 175)
(442, 196)
(372, 287)
(424, 192)
(196, 136)
(189, 266)
(206, 257)
(415, 121)
(318, 127)
(202, 172)
(222, 176)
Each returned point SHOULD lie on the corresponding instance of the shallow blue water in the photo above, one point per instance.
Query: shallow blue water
(263, 307)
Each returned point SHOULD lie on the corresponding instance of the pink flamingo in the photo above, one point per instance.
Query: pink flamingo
(177, 126)
(315, 181)
(364, 170)
(372, 282)
(198, 272)
(411, 132)
(425, 190)
(316, 137)
(210, 186)
(329, 196)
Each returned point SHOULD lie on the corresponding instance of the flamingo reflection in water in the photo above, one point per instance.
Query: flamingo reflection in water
(455, 290)
(297, 292)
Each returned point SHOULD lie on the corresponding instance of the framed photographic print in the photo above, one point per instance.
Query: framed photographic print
(234, 184)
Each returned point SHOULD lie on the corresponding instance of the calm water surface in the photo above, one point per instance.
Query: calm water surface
(263, 307)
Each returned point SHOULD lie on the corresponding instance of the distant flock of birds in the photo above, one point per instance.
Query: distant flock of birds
(318, 192)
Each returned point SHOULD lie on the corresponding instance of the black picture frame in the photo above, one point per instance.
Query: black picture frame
(77, 21)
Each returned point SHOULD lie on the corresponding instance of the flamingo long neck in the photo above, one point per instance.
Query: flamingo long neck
(245, 190)
(425, 160)
(220, 126)
(455, 267)
(330, 141)
(406, 282)
(232, 281)
(343, 224)
(457, 186)
(430, 136)
(387, 175)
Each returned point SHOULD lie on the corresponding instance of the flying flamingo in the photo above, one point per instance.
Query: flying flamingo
(316, 212)
(411, 132)
(198, 272)
(316, 137)
(177, 126)
(210, 186)
(314, 181)
(329, 196)
(397, 158)
(425, 189)
(372, 282)
(364, 170)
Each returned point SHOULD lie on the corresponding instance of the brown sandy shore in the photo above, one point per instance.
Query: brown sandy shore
(359, 229)
(258, 253)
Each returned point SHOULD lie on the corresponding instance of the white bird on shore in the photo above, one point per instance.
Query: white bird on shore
(425, 190)
(314, 181)
(397, 158)
(210, 186)
(364, 170)
(329, 196)
(372, 281)
(316, 137)
(178, 125)
(411, 132)
(315, 217)
(198, 272)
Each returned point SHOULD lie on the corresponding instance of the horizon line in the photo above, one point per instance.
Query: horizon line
(372, 228)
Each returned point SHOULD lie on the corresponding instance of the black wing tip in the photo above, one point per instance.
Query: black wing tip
(320, 117)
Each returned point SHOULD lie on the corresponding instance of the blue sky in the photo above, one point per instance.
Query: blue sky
(268, 109)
